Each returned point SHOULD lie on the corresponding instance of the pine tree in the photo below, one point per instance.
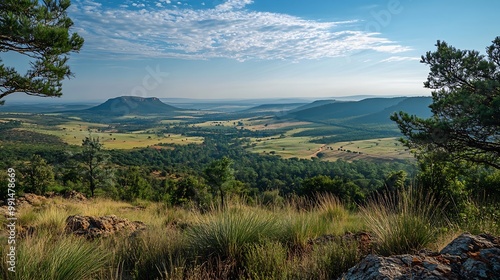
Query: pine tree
(38, 31)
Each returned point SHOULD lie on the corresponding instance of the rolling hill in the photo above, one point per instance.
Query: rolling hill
(418, 106)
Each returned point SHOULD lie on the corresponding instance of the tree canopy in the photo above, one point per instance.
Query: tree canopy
(466, 105)
(38, 31)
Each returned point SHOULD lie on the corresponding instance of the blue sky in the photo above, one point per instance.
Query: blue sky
(266, 48)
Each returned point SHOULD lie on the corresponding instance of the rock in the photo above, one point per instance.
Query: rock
(74, 195)
(30, 199)
(466, 257)
(93, 227)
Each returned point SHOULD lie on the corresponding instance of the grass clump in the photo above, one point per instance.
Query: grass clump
(226, 234)
(51, 258)
(152, 253)
(331, 208)
(404, 221)
(301, 227)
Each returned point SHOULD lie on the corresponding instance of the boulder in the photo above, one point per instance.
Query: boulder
(466, 257)
(93, 227)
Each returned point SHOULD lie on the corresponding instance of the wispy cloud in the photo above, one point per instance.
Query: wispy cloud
(230, 30)
(400, 58)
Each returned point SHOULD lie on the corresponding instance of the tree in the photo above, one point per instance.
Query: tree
(190, 189)
(93, 160)
(217, 174)
(40, 32)
(466, 106)
(37, 175)
(134, 185)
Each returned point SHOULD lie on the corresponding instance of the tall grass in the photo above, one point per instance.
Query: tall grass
(331, 208)
(49, 257)
(266, 261)
(404, 221)
(51, 219)
(301, 227)
(151, 254)
(333, 259)
(226, 234)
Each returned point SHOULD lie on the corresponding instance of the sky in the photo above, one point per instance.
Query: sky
(243, 49)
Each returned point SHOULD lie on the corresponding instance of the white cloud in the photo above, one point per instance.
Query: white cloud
(233, 4)
(226, 31)
(159, 5)
(400, 58)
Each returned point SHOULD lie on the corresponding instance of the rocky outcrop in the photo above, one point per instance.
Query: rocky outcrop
(466, 257)
(74, 195)
(93, 227)
(30, 199)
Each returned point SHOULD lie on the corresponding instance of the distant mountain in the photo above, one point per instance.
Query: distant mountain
(418, 106)
(133, 105)
(366, 111)
(316, 103)
(346, 110)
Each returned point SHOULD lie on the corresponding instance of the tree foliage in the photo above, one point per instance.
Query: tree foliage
(93, 162)
(37, 175)
(466, 105)
(218, 173)
(39, 31)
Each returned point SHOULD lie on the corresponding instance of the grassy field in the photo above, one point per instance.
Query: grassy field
(255, 124)
(382, 148)
(285, 145)
(74, 132)
(288, 146)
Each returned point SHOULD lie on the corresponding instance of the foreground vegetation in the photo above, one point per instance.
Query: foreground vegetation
(245, 241)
